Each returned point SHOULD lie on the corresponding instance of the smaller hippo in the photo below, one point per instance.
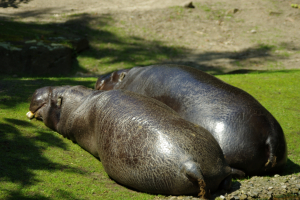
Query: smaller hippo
(252, 140)
(142, 143)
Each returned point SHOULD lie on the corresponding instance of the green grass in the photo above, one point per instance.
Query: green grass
(37, 163)
(111, 47)
(279, 93)
(115, 48)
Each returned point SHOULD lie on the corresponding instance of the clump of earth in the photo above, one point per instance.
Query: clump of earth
(277, 187)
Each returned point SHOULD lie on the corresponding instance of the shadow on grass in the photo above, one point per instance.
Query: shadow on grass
(291, 168)
(16, 195)
(21, 153)
(129, 51)
(110, 46)
(15, 91)
(12, 3)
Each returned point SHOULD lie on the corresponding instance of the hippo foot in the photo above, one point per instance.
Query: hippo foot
(226, 183)
(238, 174)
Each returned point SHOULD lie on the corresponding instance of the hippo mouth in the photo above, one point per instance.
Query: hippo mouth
(30, 115)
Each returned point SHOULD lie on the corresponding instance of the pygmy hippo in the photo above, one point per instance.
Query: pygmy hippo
(142, 143)
(251, 139)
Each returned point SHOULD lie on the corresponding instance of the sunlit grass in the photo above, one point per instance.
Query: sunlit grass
(280, 94)
(37, 163)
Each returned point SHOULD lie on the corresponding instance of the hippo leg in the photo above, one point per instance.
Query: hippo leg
(226, 183)
(236, 173)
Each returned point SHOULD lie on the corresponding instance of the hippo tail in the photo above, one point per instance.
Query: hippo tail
(276, 155)
(193, 173)
(276, 148)
(271, 162)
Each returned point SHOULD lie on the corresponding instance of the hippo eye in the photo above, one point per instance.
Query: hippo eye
(122, 75)
(59, 101)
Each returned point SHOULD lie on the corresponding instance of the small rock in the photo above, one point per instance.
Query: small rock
(56, 45)
(222, 197)
(30, 41)
(189, 5)
(276, 175)
(243, 196)
(254, 31)
(232, 11)
(253, 194)
(284, 186)
(275, 13)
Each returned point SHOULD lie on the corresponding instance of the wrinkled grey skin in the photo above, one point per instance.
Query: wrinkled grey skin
(141, 142)
(250, 137)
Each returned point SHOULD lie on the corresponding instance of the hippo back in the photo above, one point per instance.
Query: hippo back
(144, 144)
(250, 137)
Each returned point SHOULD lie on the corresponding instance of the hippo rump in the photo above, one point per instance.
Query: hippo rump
(142, 143)
(250, 137)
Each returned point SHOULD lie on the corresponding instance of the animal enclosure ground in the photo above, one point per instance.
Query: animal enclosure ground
(215, 36)
(219, 37)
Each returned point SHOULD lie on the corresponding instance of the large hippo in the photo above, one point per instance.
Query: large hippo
(252, 140)
(141, 142)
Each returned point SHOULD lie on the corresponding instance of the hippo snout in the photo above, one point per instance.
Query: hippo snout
(226, 183)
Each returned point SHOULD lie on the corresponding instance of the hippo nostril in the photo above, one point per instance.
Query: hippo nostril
(226, 183)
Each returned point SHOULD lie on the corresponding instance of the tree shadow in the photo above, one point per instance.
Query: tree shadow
(22, 153)
(291, 168)
(110, 47)
(241, 61)
(135, 51)
(18, 91)
(15, 195)
(12, 3)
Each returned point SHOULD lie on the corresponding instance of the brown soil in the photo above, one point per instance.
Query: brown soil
(224, 35)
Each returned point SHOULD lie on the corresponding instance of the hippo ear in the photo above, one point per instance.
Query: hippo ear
(122, 75)
(101, 85)
(59, 101)
(113, 76)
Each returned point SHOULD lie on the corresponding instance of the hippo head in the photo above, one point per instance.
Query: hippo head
(46, 104)
(107, 82)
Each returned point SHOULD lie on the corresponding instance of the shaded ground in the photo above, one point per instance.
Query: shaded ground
(217, 37)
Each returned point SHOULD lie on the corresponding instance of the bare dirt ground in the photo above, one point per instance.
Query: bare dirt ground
(224, 35)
